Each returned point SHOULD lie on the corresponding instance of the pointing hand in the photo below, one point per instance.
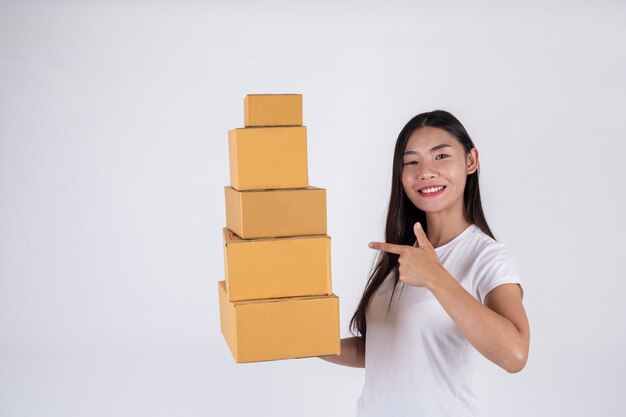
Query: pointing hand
(418, 266)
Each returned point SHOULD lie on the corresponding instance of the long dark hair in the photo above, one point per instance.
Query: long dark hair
(402, 213)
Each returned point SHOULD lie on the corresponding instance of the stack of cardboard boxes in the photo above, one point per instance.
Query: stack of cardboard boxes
(276, 301)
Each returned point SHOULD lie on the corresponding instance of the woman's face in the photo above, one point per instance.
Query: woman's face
(433, 158)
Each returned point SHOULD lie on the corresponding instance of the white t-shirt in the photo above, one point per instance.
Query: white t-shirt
(417, 361)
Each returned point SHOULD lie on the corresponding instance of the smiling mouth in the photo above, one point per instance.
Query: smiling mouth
(432, 191)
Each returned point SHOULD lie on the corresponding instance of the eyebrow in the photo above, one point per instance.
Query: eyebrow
(433, 149)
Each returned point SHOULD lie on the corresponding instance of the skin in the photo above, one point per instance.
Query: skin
(498, 329)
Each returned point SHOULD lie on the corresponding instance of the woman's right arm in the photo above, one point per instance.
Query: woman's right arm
(352, 353)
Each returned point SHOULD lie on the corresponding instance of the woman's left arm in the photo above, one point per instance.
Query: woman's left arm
(498, 329)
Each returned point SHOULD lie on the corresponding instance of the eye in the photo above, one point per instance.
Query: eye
(411, 163)
(443, 154)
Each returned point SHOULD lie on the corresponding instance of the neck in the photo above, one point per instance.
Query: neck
(443, 228)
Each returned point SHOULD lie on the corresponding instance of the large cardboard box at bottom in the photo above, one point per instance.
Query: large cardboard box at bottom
(280, 328)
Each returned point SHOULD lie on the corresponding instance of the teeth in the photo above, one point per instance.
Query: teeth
(431, 190)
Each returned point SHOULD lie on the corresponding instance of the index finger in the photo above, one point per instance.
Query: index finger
(387, 247)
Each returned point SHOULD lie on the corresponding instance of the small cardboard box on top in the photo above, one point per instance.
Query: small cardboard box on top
(278, 267)
(276, 213)
(272, 110)
(280, 328)
(268, 158)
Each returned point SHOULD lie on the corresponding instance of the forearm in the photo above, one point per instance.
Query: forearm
(493, 335)
(352, 353)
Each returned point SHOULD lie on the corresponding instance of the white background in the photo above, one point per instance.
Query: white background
(113, 157)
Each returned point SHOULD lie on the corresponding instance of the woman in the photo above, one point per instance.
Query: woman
(442, 289)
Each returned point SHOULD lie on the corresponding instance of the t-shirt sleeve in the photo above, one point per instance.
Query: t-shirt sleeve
(495, 266)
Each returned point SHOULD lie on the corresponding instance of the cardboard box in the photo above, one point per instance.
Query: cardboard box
(276, 213)
(272, 110)
(268, 158)
(281, 328)
(277, 267)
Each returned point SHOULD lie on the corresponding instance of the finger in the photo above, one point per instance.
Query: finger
(387, 247)
(422, 240)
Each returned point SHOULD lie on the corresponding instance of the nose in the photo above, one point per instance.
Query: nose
(427, 170)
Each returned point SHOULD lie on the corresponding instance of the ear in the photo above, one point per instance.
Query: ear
(472, 161)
